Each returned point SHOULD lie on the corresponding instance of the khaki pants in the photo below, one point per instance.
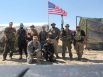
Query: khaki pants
(55, 42)
(9, 48)
(38, 55)
(66, 44)
(79, 47)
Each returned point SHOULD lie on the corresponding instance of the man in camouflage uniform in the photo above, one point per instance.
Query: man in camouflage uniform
(66, 37)
(32, 32)
(79, 39)
(9, 34)
(53, 34)
(34, 49)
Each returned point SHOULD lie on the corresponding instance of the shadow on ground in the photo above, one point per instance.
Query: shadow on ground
(18, 60)
(58, 61)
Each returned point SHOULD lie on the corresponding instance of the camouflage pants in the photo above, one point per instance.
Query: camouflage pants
(66, 44)
(79, 47)
(37, 54)
(55, 42)
(8, 48)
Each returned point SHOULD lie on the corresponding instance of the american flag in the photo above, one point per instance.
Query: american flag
(53, 9)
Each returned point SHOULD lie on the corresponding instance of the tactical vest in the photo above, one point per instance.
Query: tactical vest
(53, 33)
(66, 35)
(80, 35)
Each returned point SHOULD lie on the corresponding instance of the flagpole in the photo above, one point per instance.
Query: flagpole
(48, 22)
(62, 21)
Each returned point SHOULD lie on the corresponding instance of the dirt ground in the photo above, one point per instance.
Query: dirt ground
(89, 57)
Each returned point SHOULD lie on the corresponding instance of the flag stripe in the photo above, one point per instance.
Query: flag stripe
(53, 9)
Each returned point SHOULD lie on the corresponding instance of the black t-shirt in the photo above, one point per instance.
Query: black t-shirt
(21, 34)
(42, 36)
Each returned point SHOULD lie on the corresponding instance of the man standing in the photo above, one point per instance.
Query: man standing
(53, 34)
(79, 39)
(42, 36)
(32, 32)
(22, 43)
(66, 37)
(9, 36)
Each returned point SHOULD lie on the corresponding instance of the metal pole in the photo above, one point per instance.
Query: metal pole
(62, 21)
(48, 19)
(48, 22)
(76, 20)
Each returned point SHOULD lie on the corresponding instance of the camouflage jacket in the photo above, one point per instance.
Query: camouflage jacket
(66, 35)
(31, 47)
(54, 33)
(79, 36)
(10, 34)
(34, 32)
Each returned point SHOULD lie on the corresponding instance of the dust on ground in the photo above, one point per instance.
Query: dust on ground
(89, 57)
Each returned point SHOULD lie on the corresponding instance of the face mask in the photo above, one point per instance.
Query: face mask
(21, 27)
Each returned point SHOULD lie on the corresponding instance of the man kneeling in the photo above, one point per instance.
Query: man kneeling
(49, 51)
(34, 48)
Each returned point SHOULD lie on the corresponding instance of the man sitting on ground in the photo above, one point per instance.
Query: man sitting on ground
(49, 51)
(34, 48)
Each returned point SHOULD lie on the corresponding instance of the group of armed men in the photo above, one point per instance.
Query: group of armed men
(42, 45)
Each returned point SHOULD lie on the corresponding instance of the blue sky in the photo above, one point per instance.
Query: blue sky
(23, 11)
(36, 11)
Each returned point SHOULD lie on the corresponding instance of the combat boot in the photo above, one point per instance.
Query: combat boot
(4, 57)
(71, 58)
(79, 58)
(57, 56)
(10, 56)
(63, 55)
(70, 54)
